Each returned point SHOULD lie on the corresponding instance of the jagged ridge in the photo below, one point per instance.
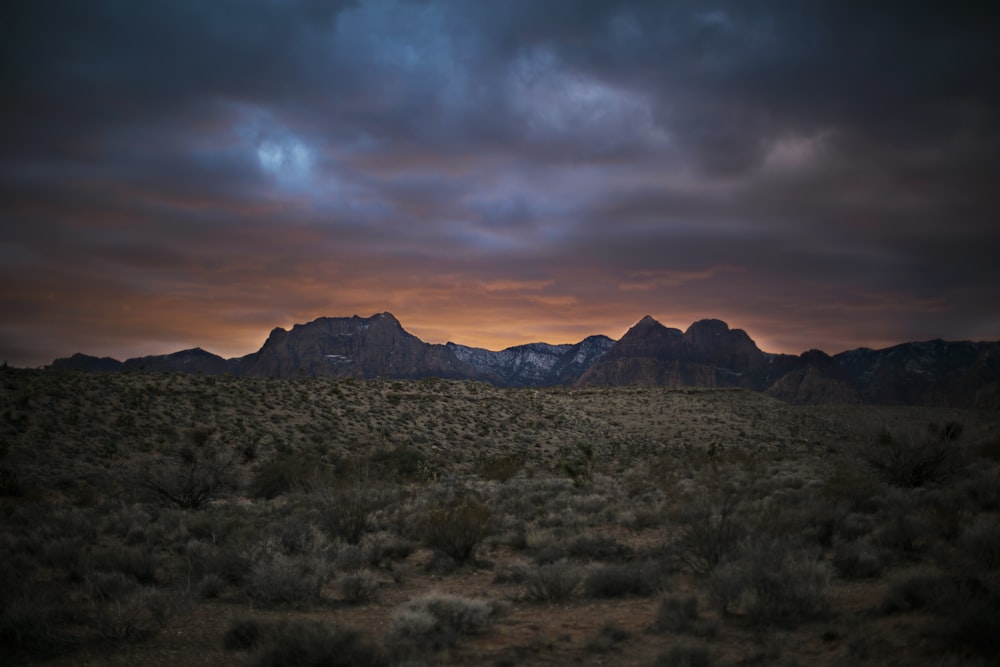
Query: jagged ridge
(708, 354)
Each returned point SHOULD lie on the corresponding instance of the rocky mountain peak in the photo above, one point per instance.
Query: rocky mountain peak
(708, 354)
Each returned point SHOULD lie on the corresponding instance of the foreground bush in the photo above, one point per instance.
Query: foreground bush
(712, 529)
(279, 578)
(437, 621)
(455, 528)
(914, 461)
(302, 643)
(614, 581)
(772, 585)
(553, 582)
(196, 472)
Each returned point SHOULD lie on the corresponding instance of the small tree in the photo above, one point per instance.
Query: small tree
(911, 462)
(456, 527)
(195, 473)
(712, 529)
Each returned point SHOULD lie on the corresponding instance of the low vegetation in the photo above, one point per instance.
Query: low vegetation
(179, 519)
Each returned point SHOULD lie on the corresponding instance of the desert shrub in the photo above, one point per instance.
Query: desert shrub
(549, 547)
(400, 464)
(905, 531)
(598, 548)
(684, 656)
(346, 512)
(134, 617)
(501, 467)
(914, 461)
(578, 462)
(455, 527)
(303, 643)
(356, 587)
(278, 578)
(774, 585)
(288, 471)
(711, 529)
(140, 563)
(792, 591)
(679, 614)
(435, 621)
(381, 548)
(227, 561)
(211, 586)
(194, 473)
(110, 585)
(613, 581)
(981, 540)
(349, 557)
(126, 519)
(553, 582)
(857, 561)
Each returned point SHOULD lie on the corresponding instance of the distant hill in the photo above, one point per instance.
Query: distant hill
(709, 354)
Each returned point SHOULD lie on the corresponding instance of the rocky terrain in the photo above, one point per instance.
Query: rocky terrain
(708, 354)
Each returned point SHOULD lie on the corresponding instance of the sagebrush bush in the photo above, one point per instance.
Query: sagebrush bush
(456, 527)
(110, 585)
(382, 548)
(910, 461)
(436, 620)
(679, 614)
(613, 581)
(712, 529)
(227, 561)
(195, 472)
(553, 582)
(773, 585)
(135, 616)
(357, 587)
(278, 578)
(855, 560)
(302, 643)
(140, 563)
(210, 586)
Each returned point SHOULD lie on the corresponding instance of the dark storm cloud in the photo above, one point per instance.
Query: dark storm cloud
(822, 174)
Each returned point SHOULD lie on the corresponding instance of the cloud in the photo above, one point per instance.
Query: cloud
(820, 175)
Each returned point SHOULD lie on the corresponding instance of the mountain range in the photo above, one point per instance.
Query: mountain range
(709, 354)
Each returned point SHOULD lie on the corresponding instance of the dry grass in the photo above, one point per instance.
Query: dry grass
(633, 525)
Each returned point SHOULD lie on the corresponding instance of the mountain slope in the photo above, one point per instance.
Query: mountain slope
(534, 364)
(708, 354)
(376, 346)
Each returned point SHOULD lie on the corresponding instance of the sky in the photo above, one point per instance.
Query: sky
(181, 173)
